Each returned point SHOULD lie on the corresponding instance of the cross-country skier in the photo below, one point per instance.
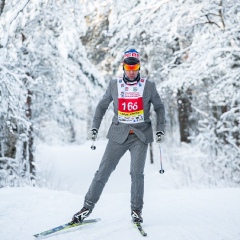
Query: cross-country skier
(132, 96)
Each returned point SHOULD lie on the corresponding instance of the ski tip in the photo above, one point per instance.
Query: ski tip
(138, 226)
(38, 236)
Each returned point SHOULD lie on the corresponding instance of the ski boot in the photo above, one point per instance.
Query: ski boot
(136, 216)
(81, 215)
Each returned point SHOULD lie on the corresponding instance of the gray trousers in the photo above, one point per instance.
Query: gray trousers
(113, 153)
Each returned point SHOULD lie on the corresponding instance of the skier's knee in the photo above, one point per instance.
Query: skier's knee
(137, 174)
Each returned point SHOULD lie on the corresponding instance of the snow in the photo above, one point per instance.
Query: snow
(171, 211)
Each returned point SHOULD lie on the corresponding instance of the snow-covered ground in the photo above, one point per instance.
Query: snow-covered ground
(172, 211)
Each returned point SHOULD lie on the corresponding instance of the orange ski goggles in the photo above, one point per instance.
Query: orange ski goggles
(131, 67)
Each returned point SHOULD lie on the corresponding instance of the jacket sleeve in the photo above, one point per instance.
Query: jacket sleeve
(158, 108)
(102, 108)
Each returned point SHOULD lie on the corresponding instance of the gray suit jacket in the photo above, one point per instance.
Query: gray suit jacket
(118, 132)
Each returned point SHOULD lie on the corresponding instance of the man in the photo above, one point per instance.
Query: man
(130, 130)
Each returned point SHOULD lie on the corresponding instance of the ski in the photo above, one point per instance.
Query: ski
(66, 226)
(140, 229)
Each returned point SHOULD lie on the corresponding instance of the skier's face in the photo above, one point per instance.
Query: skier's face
(131, 70)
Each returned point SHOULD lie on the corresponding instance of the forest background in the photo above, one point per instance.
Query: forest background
(57, 56)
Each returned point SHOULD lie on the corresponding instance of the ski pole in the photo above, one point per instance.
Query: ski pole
(93, 136)
(161, 171)
(93, 147)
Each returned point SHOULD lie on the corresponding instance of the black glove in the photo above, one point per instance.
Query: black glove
(160, 137)
(93, 134)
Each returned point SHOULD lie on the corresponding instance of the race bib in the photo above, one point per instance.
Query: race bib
(130, 101)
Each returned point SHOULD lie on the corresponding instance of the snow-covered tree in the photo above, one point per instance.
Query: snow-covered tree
(54, 82)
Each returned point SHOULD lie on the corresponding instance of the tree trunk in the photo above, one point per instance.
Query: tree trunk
(2, 4)
(28, 144)
(184, 111)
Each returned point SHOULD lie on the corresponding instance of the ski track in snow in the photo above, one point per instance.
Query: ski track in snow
(169, 213)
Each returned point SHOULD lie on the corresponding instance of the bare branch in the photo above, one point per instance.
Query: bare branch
(209, 21)
(18, 10)
(221, 16)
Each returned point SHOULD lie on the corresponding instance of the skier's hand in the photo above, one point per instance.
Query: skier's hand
(92, 135)
(160, 137)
